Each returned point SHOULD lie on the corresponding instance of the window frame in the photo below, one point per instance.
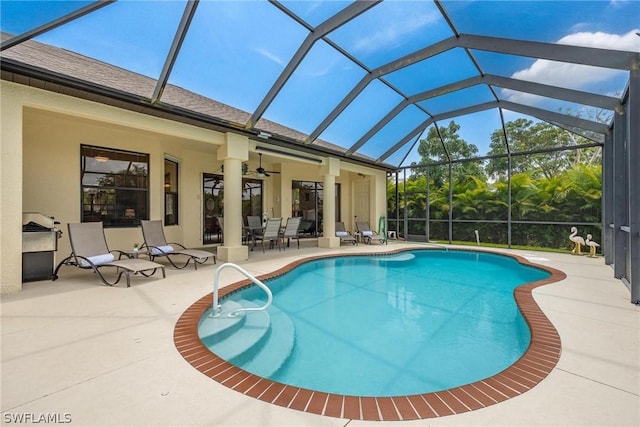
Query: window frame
(172, 198)
(108, 209)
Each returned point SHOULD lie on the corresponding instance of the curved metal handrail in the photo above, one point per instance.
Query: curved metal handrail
(216, 307)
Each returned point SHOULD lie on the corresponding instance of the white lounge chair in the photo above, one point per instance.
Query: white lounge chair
(156, 245)
(344, 235)
(368, 235)
(89, 250)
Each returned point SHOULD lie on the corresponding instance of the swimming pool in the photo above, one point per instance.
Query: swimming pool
(398, 308)
(387, 325)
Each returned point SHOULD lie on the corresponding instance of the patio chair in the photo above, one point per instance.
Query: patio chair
(253, 229)
(89, 250)
(271, 232)
(344, 235)
(368, 235)
(291, 230)
(254, 221)
(156, 245)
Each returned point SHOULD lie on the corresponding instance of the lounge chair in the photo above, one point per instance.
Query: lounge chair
(89, 250)
(291, 230)
(344, 235)
(368, 235)
(156, 245)
(271, 232)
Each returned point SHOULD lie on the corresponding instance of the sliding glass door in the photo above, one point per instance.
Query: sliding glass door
(307, 199)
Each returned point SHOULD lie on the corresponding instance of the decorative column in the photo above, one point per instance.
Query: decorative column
(330, 170)
(11, 188)
(233, 153)
(379, 196)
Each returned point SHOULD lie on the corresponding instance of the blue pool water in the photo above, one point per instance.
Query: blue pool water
(389, 325)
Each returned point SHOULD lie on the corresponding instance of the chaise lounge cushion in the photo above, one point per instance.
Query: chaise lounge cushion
(161, 250)
(97, 260)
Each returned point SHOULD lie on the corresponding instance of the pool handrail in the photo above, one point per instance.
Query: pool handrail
(215, 311)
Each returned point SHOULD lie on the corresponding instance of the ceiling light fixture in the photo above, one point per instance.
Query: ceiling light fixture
(101, 158)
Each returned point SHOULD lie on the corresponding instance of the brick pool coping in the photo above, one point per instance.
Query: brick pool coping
(536, 363)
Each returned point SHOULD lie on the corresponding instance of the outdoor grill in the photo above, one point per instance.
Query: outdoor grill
(39, 244)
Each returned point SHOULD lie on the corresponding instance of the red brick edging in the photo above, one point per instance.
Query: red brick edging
(534, 365)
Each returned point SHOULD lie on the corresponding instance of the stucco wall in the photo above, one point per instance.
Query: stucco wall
(51, 172)
(40, 169)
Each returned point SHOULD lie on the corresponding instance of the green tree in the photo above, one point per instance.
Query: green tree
(432, 150)
(525, 135)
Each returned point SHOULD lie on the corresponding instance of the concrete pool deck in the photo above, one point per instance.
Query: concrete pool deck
(95, 355)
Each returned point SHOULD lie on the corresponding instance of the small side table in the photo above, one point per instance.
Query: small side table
(134, 254)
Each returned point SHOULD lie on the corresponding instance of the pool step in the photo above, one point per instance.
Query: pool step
(240, 340)
(394, 258)
(275, 349)
(223, 326)
(230, 337)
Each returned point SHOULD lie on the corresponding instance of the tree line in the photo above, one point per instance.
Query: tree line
(547, 185)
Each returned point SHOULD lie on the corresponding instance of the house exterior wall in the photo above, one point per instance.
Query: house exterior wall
(40, 169)
(51, 172)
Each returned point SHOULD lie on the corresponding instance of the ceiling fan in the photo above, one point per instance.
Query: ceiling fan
(261, 171)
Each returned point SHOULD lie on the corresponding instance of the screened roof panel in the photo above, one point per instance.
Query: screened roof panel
(477, 128)
(544, 21)
(555, 105)
(129, 47)
(323, 78)
(362, 114)
(221, 64)
(412, 155)
(390, 30)
(402, 124)
(433, 72)
(572, 76)
(315, 12)
(501, 64)
(34, 13)
(406, 154)
(315, 72)
(474, 95)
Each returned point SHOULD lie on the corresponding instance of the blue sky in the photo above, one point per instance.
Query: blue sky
(235, 50)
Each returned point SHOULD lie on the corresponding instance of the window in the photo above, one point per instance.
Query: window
(170, 192)
(307, 199)
(114, 186)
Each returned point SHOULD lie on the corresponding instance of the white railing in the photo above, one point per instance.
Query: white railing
(217, 307)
